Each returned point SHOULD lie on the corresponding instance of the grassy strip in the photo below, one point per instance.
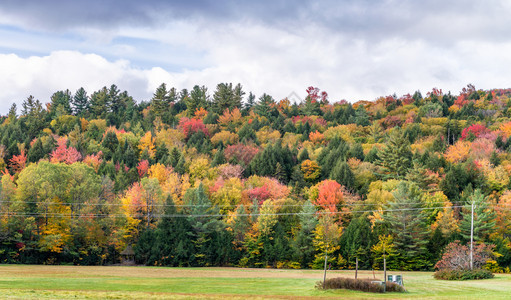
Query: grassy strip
(54, 282)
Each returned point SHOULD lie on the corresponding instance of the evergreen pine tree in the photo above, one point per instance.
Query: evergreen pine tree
(160, 100)
(303, 243)
(279, 174)
(144, 248)
(407, 223)
(484, 217)
(250, 102)
(204, 222)
(356, 241)
(161, 153)
(264, 106)
(173, 245)
(246, 133)
(227, 97)
(219, 158)
(36, 152)
(361, 117)
(198, 98)
(180, 166)
(62, 99)
(129, 157)
(343, 174)
(99, 104)
(304, 155)
(356, 151)
(80, 102)
(395, 157)
(174, 157)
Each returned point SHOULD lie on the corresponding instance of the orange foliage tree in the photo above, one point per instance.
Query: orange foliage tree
(316, 137)
(18, 162)
(328, 195)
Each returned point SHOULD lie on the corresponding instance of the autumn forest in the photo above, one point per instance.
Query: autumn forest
(224, 178)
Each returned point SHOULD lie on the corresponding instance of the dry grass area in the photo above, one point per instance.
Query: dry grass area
(154, 272)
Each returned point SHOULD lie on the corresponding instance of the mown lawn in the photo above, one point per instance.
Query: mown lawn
(64, 282)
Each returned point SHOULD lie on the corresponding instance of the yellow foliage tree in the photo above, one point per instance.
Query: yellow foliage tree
(56, 231)
(200, 169)
(170, 138)
(147, 142)
(311, 170)
(229, 194)
(503, 214)
(458, 152)
(160, 172)
(326, 237)
(446, 220)
(226, 137)
(266, 135)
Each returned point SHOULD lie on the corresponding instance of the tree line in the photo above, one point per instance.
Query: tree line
(193, 178)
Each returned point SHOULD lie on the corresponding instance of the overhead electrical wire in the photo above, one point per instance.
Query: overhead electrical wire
(143, 215)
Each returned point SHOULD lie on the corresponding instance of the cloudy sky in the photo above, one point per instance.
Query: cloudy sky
(352, 49)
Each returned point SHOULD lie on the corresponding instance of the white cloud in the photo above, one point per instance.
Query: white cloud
(265, 59)
(42, 76)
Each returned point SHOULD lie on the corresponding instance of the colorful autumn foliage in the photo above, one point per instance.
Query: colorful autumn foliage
(240, 153)
(328, 195)
(142, 168)
(64, 154)
(473, 130)
(190, 126)
(18, 162)
(255, 183)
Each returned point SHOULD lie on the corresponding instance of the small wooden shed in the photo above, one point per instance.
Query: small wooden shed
(128, 256)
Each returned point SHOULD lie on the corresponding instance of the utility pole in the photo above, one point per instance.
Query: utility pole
(384, 270)
(472, 238)
(356, 267)
(326, 257)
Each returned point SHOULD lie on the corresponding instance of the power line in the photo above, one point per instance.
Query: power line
(21, 213)
(215, 205)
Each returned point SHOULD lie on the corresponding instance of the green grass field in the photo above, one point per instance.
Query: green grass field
(65, 282)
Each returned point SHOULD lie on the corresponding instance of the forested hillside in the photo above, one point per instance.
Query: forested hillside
(225, 178)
